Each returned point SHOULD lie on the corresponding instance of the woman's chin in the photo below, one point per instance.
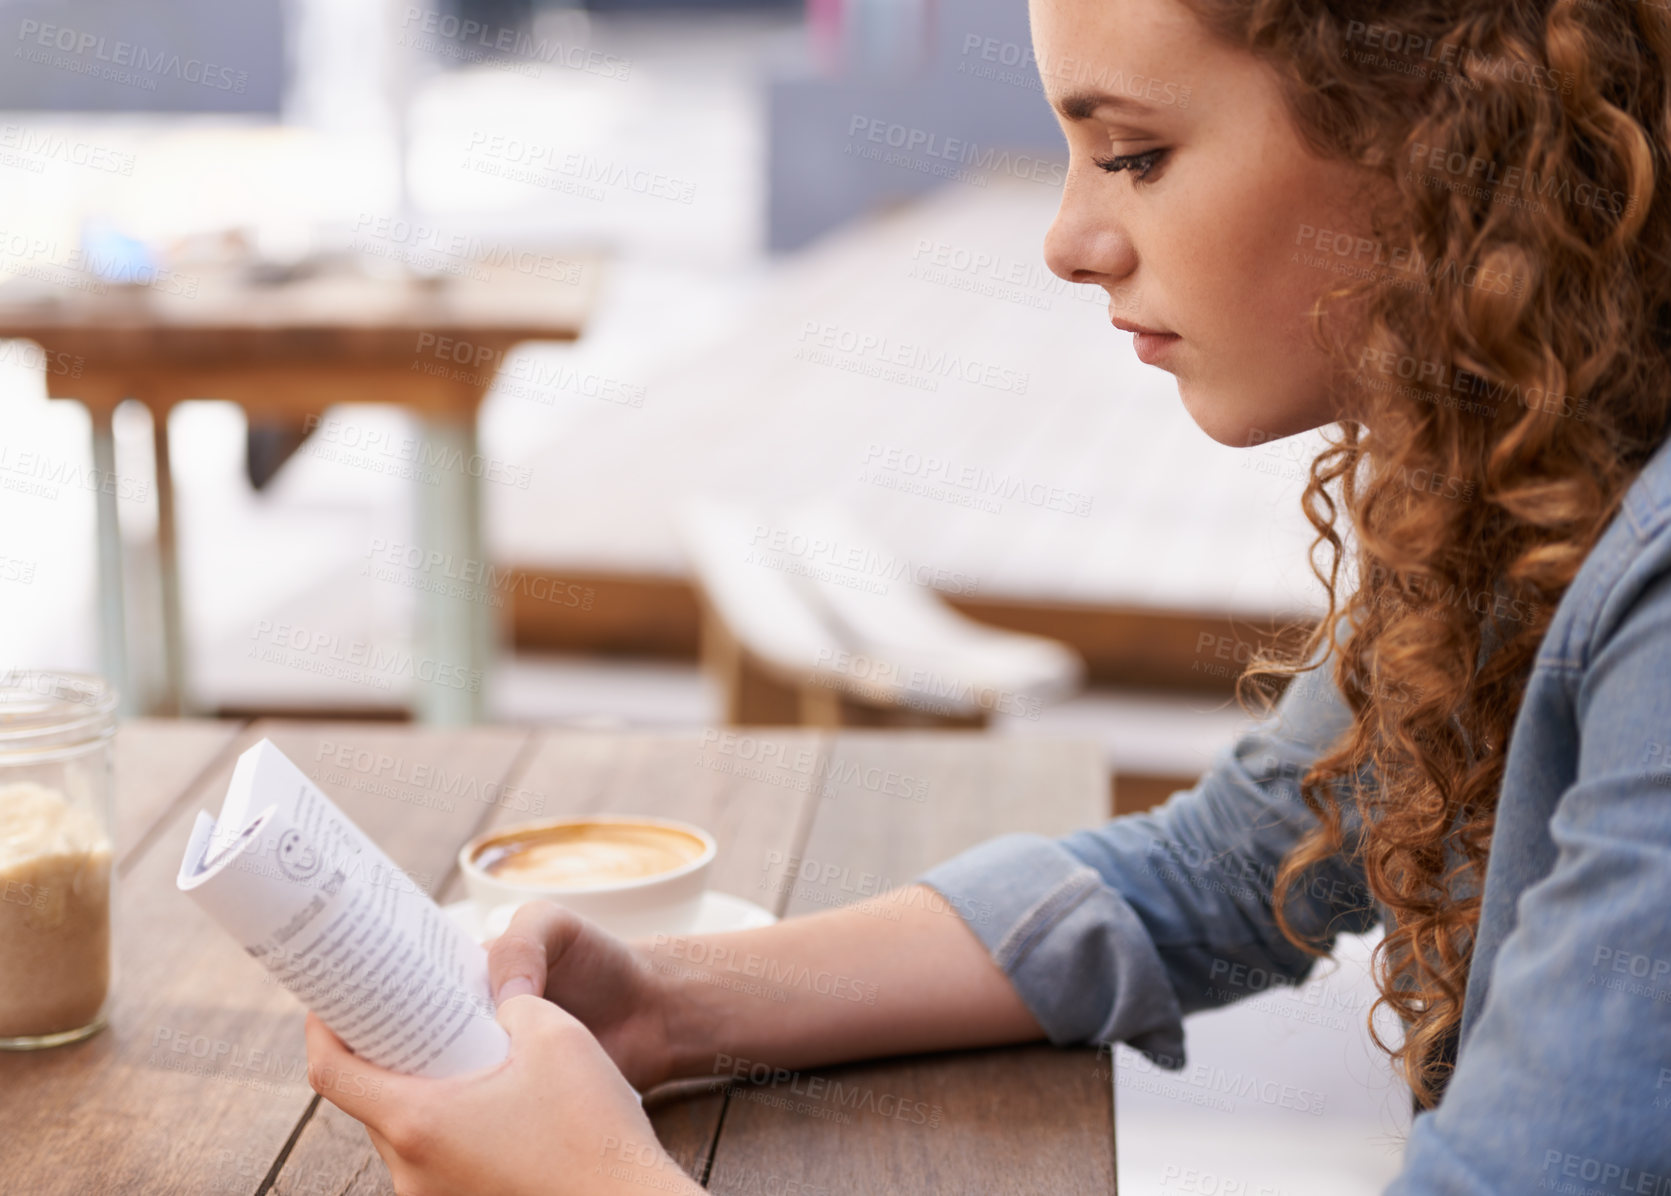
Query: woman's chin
(1220, 416)
(1238, 419)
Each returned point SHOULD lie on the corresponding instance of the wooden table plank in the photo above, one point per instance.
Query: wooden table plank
(85, 1118)
(1017, 1121)
(1028, 1120)
(155, 760)
(334, 316)
(752, 791)
(899, 801)
(286, 349)
(757, 809)
(867, 809)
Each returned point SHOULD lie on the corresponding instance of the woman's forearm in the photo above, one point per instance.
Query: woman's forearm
(896, 974)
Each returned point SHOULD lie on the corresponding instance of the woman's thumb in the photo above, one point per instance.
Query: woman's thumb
(528, 1014)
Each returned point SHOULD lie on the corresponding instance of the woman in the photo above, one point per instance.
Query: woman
(1439, 229)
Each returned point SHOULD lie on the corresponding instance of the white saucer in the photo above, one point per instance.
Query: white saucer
(720, 912)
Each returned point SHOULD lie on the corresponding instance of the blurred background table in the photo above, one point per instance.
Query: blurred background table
(285, 349)
(233, 1112)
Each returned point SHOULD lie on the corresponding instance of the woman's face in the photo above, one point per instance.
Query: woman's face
(1204, 219)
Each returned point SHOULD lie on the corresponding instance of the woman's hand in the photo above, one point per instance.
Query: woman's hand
(610, 986)
(555, 1117)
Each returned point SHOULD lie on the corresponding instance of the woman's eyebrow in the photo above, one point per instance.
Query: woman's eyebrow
(1082, 105)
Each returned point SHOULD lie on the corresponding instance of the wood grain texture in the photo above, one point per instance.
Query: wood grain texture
(155, 760)
(332, 1153)
(1017, 1121)
(894, 803)
(743, 789)
(126, 1110)
(332, 314)
(752, 791)
(1028, 1120)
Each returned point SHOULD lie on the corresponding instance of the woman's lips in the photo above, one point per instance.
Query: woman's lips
(1150, 344)
(1152, 347)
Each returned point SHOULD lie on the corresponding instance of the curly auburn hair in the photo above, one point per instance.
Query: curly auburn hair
(1511, 338)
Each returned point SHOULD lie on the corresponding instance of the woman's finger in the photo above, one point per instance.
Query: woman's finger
(343, 1078)
(523, 1018)
(322, 1045)
(519, 960)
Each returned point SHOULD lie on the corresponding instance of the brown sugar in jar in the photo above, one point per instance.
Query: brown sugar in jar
(54, 913)
(56, 853)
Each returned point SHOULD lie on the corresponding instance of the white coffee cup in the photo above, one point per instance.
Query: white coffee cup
(501, 872)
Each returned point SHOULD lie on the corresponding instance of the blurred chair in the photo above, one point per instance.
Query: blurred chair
(808, 620)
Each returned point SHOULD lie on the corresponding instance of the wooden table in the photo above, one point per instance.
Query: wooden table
(125, 1112)
(287, 351)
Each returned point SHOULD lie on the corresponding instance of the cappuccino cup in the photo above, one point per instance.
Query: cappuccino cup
(633, 875)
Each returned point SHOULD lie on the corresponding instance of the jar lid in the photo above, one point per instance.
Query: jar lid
(42, 710)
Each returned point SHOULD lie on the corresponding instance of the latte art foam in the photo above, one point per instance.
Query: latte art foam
(589, 854)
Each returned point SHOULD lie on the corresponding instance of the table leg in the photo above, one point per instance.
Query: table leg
(457, 624)
(113, 631)
(171, 701)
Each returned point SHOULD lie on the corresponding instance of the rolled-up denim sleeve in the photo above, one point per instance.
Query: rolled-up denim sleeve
(1114, 933)
(1563, 1081)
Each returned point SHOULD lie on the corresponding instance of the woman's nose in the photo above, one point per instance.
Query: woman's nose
(1087, 242)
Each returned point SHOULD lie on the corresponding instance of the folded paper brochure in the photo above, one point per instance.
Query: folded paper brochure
(309, 895)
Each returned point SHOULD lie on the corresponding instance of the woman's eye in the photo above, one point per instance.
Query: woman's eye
(1139, 164)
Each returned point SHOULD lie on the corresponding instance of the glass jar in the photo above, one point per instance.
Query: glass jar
(56, 856)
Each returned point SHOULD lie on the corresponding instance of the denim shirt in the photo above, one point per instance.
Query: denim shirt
(1563, 1062)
